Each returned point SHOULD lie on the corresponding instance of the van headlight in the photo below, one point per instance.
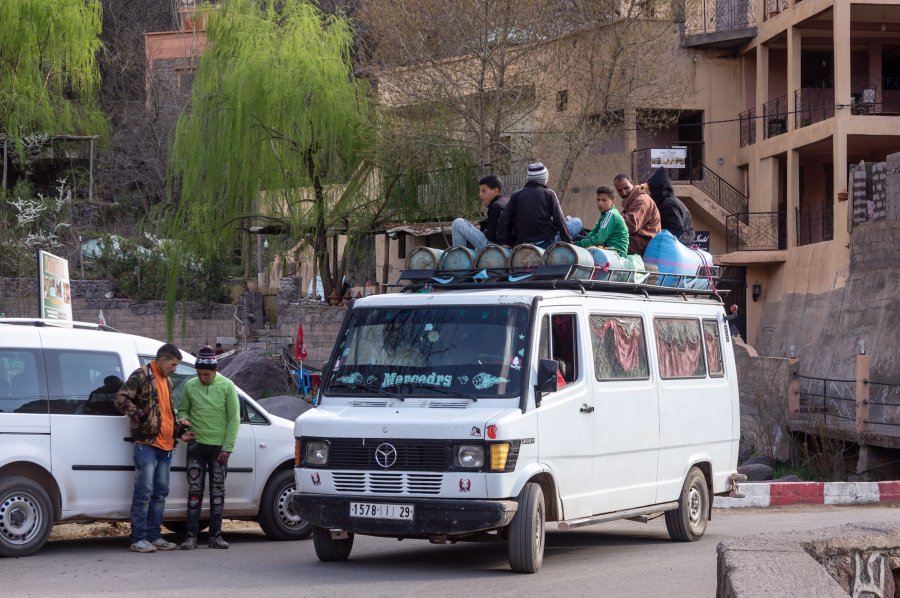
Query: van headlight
(470, 456)
(316, 453)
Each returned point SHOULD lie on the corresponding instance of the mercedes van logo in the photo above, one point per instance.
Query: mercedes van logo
(386, 455)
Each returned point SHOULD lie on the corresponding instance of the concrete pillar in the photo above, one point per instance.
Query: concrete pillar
(862, 393)
(842, 116)
(793, 196)
(794, 48)
(762, 87)
(794, 389)
(766, 199)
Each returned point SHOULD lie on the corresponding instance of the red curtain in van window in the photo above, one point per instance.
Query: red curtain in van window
(678, 344)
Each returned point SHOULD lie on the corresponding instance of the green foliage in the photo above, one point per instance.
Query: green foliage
(49, 76)
(33, 221)
(274, 110)
(140, 268)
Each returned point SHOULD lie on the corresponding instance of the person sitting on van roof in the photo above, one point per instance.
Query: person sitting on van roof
(639, 212)
(673, 214)
(533, 214)
(489, 191)
(610, 231)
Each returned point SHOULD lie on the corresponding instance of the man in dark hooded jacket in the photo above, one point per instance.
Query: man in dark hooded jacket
(673, 214)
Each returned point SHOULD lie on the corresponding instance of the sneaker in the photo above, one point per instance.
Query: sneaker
(162, 544)
(190, 542)
(217, 542)
(142, 546)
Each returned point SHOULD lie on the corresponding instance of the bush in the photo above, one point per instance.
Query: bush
(139, 268)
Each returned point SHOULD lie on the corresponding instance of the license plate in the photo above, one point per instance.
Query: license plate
(380, 511)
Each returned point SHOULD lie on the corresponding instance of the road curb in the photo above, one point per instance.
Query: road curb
(777, 494)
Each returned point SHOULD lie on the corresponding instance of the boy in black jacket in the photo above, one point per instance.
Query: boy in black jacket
(533, 214)
(489, 191)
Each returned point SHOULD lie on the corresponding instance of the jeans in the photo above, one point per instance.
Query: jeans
(462, 230)
(200, 459)
(575, 227)
(151, 486)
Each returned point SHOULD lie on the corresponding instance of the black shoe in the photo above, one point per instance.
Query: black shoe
(217, 542)
(190, 542)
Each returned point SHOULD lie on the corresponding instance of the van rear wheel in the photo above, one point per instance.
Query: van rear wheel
(330, 549)
(688, 522)
(526, 531)
(26, 516)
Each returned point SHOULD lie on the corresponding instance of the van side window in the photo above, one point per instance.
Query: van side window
(21, 390)
(559, 341)
(251, 415)
(713, 346)
(679, 349)
(620, 351)
(83, 382)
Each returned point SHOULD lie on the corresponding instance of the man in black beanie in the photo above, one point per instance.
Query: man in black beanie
(211, 405)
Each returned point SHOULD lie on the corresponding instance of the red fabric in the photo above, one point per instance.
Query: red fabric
(680, 351)
(712, 352)
(628, 348)
(300, 347)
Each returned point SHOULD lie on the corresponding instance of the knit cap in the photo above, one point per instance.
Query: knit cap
(538, 172)
(206, 359)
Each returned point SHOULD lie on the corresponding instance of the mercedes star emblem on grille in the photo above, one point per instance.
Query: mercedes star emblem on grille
(386, 455)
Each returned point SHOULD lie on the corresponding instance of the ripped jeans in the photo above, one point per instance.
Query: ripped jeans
(200, 459)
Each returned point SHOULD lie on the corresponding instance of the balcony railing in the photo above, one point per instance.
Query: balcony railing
(755, 231)
(812, 105)
(815, 223)
(775, 117)
(748, 127)
(721, 191)
(709, 16)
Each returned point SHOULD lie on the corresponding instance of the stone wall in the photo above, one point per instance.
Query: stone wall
(763, 383)
(825, 328)
(321, 322)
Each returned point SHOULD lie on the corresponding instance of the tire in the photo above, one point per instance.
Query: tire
(525, 544)
(26, 516)
(329, 549)
(180, 527)
(688, 522)
(276, 514)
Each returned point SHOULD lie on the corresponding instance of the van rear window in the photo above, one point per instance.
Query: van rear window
(679, 349)
(21, 390)
(620, 351)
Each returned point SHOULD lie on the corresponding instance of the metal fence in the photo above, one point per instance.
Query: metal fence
(812, 105)
(815, 223)
(775, 117)
(710, 16)
(755, 231)
(833, 400)
(884, 404)
(748, 127)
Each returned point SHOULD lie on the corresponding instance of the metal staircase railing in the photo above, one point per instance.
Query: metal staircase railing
(721, 191)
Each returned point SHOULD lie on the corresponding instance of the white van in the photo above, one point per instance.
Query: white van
(481, 411)
(66, 454)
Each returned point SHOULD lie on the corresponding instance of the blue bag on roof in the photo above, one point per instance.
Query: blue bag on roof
(671, 257)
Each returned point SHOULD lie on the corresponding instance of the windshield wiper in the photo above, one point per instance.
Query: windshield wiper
(441, 390)
(366, 387)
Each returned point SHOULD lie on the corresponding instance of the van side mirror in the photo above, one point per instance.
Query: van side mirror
(547, 375)
(546, 379)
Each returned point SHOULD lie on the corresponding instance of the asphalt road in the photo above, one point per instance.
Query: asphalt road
(614, 559)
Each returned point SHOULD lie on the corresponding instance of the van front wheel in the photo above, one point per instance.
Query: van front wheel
(687, 523)
(329, 549)
(26, 516)
(526, 531)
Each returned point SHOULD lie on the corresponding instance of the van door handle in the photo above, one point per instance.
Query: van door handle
(585, 408)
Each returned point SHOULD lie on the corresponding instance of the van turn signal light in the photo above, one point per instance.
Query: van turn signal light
(499, 453)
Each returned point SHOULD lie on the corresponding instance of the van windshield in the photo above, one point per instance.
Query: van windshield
(467, 351)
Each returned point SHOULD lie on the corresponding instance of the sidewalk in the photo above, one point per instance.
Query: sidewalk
(777, 494)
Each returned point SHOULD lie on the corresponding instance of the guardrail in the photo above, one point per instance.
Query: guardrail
(815, 223)
(755, 231)
(709, 16)
(775, 117)
(812, 105)
(748, 127)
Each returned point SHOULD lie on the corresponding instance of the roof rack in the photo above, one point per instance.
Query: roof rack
(56, 323)
(572, 277)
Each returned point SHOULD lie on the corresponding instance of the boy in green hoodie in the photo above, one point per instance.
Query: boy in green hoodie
(610, 231)
(210, 404)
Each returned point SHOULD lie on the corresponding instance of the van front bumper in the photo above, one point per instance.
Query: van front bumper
(431, 516)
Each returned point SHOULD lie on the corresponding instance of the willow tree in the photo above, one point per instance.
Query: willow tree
(275, 123)
(49, 78)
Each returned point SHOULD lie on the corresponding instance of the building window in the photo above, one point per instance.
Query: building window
(679, 349)
(184, 79)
